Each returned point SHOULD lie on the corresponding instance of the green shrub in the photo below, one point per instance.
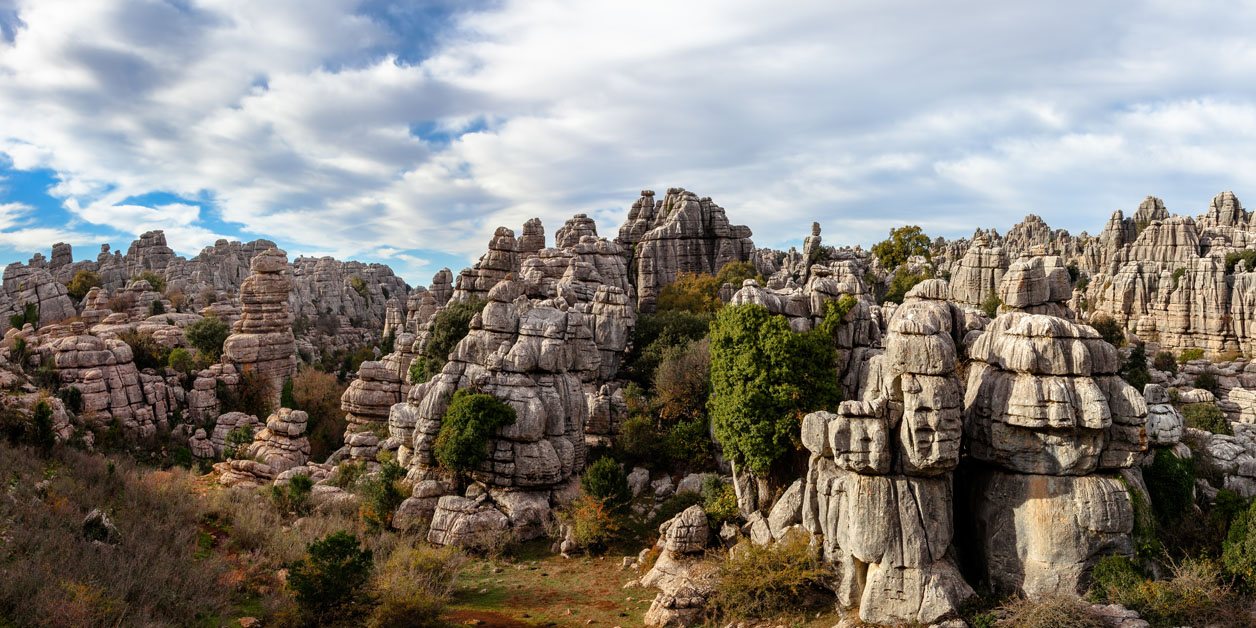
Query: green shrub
(449, 327)
(1238, 552)
(719, 500)
(287, 399)
(1195, 594)
(43, 435)
(82, 283)
(412, 588)
(901, 284)
(688, 444)
(20, 352)
(293, 498)
(991, 305)
(328, 580)
(1164, 361)
(29, 314)
(606, 481)
(72, 397)
(1134, 369)
(758, 393)
(252, 395)
(238, 441)
(766, 582)
(181, 361)
(207, 336)
(156, 307)
(1074, 273)
(382, 493)
(691, 292)
(1178, 273)
(1208, 381)
(903, 243)
(418, 368)
(1207, 417)
(1109, 330)
(464, 432)
(656, 336)
(1247, 256)
(359, 286)
(1113, 577)
(156, 281)
(147, 352)
(1082, 283)
(1191, 354)
(347, 474)
(736, 273)
(675, 505)
(1171, 485)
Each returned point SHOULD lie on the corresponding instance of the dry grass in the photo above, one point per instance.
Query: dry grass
(1059, 611)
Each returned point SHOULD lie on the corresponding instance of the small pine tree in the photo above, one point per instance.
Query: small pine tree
(327, 581)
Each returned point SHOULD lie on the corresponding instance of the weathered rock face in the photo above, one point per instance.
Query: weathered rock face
(979, 274)
(1046, 412)
(262, 341)
(530, 357)
(442, 286)
(113, 389)
(466, 523)
(679, 234)
(149, 253)
(33, 284)
(1165, 424)
(502, 259)
(282, 444)
(878, 485)
(684, 586)
(369, 398)
(532, 238)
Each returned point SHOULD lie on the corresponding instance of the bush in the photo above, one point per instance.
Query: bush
(238, 441)
(382, 493)
(413, 586)
(690, 292)
(1247, 256)
(1207, 417)
(1164, 361)
(1191, 354)
(318, 394)
(903, 243)
(29, 314)
(464, 432)
(766, 582)
(656, 336)
(1109, 330)
(719, 500)
(991, 305)
(1082, 283)
(1074, 273)
(156, 281)
(901, 284)
(181, 361)
(449, 327)
(594, 524)
(147, 352)
(294, 498)
(1195, 593)
(759, 395)
(156, 307)
(326, 582)
(207, 336)
(1052, 611)
(736, 273)
(1238, 552)
(1134, 369)
(1178, 273)
(687, 444)
(682, 382)
(82, 283)
(19, 352)
(1208, 381)
(1171, 485)
(42, 434)
(72, 397)
(346, 475)
(606, 481)
(359, 286)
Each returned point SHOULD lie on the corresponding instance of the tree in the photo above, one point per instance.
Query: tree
(207, 336)
(327, 580)
(318, 394)
(464, 432)
(449, 327)
(736, 273)
(682, 382)
(1134, 369)
(82, 283)
(765, 377)
(605, 480)
(181, 361)
(157, 282)
(691, 292)
(29, 314)
(903, 243)
(901, 284)
(44, 437)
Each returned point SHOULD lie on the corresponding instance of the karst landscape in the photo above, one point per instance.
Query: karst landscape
(660, 426)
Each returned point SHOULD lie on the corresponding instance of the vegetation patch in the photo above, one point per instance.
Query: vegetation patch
(464, 432)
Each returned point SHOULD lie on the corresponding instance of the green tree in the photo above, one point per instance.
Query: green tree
(181, 360)
(691, 292)
(903, 243)
(606, 481)
(327, 581)
(44, 437)
(156, 281)
(1134, 369)
(469, 422)
(82, 283)
(736, 273)
(207, 336)
(449, 327)
(29, 314)
(991, 305)
(901, 284)
(765, 377)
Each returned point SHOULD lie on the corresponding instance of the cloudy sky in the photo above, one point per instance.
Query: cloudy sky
(404, 132)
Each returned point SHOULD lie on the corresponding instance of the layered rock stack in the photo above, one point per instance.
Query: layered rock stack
(878, 486)
(262, 342)
(679, 234)
(114, 391)
(979, 273)
(24, 285)
(501, 260)
(1037, 285)
(1050, 426)
(282, 444)
(684, 590)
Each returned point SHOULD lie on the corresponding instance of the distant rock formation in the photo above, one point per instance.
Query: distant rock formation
(262, 341)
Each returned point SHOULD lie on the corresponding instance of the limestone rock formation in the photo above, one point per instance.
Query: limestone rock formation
(683, 582)
(33, 285)
(262, 341)
(679, 234)
(501, 260)
(979, 274)
(282, 444)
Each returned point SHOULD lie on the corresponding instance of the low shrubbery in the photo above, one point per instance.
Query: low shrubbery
(606, 481)
(1207, 417)
(766, 582)
(207, 336)
(594, 524)
(327, 582)
(1053, 611)
(464, 432)
(1191, 354)
(1207, 381)
(147, 352)
(1164, 361)
(991, 305)
(382, 492)
(1196, 593)
(901, 284)
(1134, 369)
(82, 283)
(412, 587)
(294, 497)
(1109, 330)
(719, 500)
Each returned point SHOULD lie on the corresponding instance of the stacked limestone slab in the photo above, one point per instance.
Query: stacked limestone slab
(878, 487)
(1049, 426)
(679, 234)
(262, 341)
(282, 444)
(979, 273)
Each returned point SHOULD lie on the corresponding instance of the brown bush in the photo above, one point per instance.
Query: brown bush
(682, 382)
(1059, 611)
(318, 394)
(122, 302)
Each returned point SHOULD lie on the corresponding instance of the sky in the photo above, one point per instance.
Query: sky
(406, 132)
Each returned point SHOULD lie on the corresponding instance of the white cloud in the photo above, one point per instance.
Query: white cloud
(862, 115)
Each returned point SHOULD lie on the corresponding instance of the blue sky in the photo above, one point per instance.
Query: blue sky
(405, 132)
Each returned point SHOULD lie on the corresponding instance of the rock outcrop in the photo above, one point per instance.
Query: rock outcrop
(262, 342)
(282, 444)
